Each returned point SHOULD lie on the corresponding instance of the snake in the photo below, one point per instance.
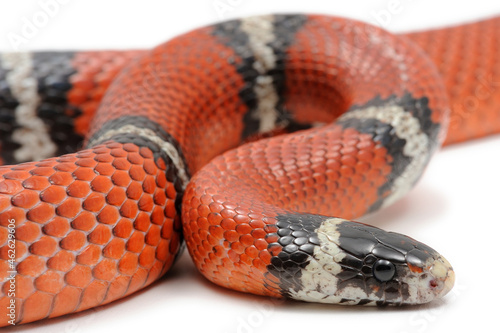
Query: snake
(255, 143)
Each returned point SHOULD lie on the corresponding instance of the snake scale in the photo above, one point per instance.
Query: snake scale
(254, 141)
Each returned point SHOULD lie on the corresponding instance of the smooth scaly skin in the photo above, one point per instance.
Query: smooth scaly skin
(472, 89)
(97, 225)
(466, 59)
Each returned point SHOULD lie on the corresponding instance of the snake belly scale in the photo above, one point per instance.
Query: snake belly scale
(332, 119)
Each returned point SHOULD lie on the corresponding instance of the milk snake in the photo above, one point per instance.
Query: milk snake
(367, 110)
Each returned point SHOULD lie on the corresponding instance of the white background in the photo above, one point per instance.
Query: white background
(455, 208)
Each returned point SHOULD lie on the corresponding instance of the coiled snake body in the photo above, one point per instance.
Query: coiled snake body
(367, 109)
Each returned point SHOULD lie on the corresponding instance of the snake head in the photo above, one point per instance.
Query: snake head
(395, 269)
(354, 263)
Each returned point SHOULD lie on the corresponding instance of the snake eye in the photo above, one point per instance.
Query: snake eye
(384, 270)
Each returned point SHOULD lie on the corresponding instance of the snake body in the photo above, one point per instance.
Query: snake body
(333, 119)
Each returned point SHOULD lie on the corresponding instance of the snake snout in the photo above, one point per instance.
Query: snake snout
(430, 279)
(443, 277)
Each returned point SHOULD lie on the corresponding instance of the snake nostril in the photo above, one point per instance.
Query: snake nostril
(433, 283)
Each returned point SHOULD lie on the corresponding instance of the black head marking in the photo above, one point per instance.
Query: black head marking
(298, 238)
